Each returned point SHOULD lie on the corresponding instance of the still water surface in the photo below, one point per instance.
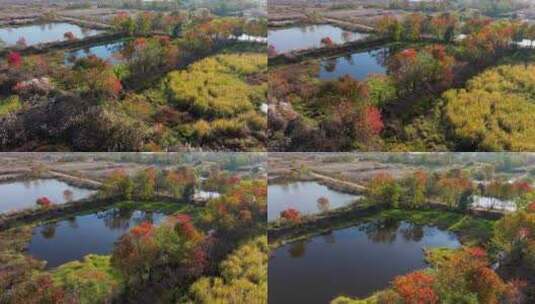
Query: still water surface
(303, 196)
(357, 65)
(22, 195)
(43, 33)
(309, 36)
(354, 261)
(72, 239)
(109, 52)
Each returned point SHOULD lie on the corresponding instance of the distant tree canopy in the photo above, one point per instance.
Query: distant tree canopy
(495, 111)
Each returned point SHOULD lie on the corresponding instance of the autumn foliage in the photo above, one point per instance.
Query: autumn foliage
(416, 288)
(291, 215)
(327, 42)
(44, 202)
(14, 59)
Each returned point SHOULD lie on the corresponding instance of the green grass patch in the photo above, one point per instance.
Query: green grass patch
(9, 105)
(471, 231)
(162, 207)
(94, 279)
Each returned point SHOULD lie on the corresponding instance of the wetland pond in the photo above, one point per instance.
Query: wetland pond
(109, 52)
(355, 261)
(308, 36)
(304, 196)
(16, 196)
(357, 65)
(43, 33)
(73, 238)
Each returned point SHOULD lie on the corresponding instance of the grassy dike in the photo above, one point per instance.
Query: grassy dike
(470, 229)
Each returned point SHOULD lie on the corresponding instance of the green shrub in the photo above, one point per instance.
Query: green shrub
(10, 105)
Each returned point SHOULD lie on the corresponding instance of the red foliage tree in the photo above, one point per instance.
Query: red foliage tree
(373, 120)
(142, 230)
(291, 215)
(416, 288)
(14, 59)
(531, 207)
(69, 36)
(327, 41)
(113, 85)
(44, 202)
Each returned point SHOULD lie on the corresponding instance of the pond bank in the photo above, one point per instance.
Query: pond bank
(57, 211)
(61, 45)
(300, 55)
(472, 227)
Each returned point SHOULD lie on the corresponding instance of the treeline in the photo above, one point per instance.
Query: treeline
(184, 23)
(219, 7)
(148, 183)
(455, 189)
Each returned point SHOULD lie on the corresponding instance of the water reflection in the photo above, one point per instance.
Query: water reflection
(297, 249)
(309, 36)
(109, 52)
(43, 33)
(76, 237)
(358, 65)
(354, 261)
(305, 197)
(21, 195)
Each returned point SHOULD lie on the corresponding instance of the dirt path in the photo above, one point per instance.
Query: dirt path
(76, 178)
(350, 25)
(337, 181)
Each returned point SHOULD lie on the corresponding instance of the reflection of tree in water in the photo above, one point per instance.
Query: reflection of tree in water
(349, 59)
(308, 28)
(347, 36)
(384, 231)
(28, 183)
(412, 232)
(329, 238)
(72, 222)
(330, 65)
(381, 56)
(297, 249)
(141, 217)
(48, 230)
(116, 219)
